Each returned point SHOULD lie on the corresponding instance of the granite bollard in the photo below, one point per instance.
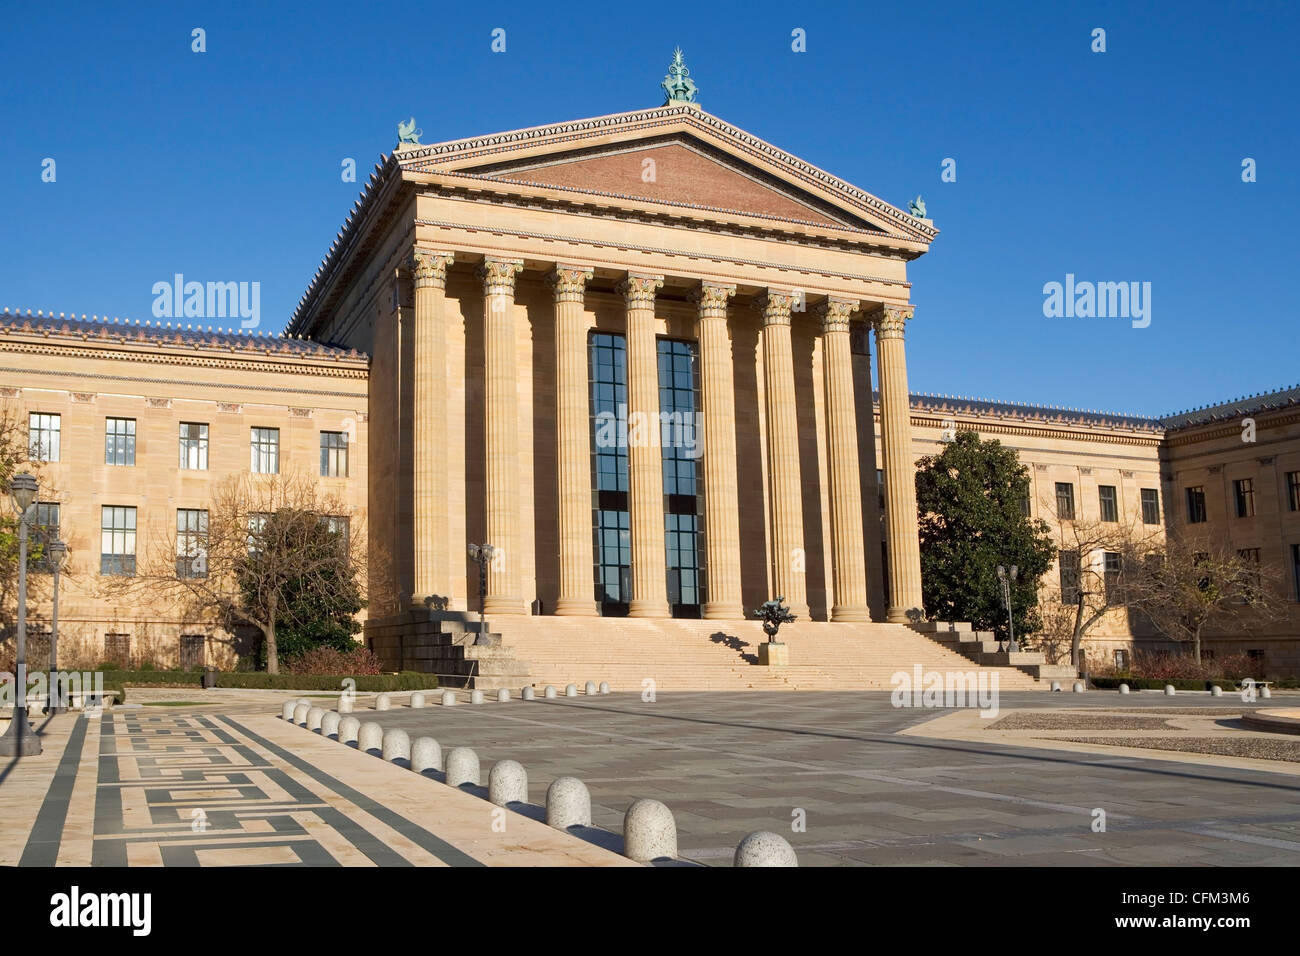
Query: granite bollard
(370, 737)
(1169, 690)
(426, 754)
(300, 713)
(1123, 688)
(345, 703)
(503, 695)
(604, 687)
(396, 745)
(508, 783)
(329, 724)
(383, 702)
(649, 831)
(1056, 685)
(462, 766)
(571, 690)
(286, 712)
(448, 698)
(476, 696)
(549, 693)
(764, 848)
(349, 727)
(1265, 693)
(568, 803)
(417, 700)
(1216, 691)
(314, 715)
(1078, 687)
(527, 694)
(590, 688)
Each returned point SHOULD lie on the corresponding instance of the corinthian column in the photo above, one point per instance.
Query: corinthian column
(784, 487)
(502, 434)
(721, 505)
(645, 470)
(848, 565)
(432, 571)
(900, 469)
(573, 436)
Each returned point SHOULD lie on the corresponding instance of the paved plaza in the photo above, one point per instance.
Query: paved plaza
(846, 777)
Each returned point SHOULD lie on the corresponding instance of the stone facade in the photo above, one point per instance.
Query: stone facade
(461, 307)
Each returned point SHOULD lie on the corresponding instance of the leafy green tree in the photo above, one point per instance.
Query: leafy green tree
(971, 500)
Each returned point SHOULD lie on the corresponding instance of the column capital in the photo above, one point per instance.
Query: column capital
(429, 267)
(499, 275)
(835, 313)
(711, 298)
(888, 320)
(639, 290)
(569, 282)
(776, 306)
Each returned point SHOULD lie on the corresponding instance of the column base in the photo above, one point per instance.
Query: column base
(722, 612)
(856, 613)
(430, 602)
(648, 609)
(575, 607)
(502, 605)
(898, 615)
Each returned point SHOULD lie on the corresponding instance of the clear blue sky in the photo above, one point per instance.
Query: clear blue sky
(1115, 166)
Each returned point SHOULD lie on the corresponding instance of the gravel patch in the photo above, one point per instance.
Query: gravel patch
(1261, 748)
(1054, 720)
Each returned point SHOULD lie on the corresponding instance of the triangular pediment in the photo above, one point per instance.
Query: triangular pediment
(676, 156)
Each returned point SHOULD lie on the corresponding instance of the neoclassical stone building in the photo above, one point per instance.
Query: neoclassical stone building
(635, 354)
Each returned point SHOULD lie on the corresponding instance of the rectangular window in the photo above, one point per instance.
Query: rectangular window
(1256, 655)
(880, 487)
(1113, 566)
(1070, 591)
(1150, 506)
(117, 649)
(1025, 506)
(1065, 501)
(43, 436)
(1251, 557)
(117, 540)
(194, 446)
(1295, 569)
(1121, 659)
(1108, 502)
(265, 446)
(340, 525)
(192, 651)
(1293, 490)
(1195, 505)
(1243, 493)
(119, 441)
(45, 527)
(191, 543)
(333, 454)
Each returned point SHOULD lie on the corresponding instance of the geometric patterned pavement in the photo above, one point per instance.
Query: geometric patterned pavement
(203, 788)
(141, 788)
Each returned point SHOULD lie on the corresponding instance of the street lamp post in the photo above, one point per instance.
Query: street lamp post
(482, 555)
(56, 552)
(1007, 579)
(20, 740)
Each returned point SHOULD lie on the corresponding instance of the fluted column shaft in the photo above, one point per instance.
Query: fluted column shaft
(429, 419)
(573, 439)
(502, 434)
(645, 476)
(900, 469)
(849, 568)
(784, 487)
(721, 501)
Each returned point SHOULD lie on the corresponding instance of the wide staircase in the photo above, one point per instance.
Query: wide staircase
(692, 655)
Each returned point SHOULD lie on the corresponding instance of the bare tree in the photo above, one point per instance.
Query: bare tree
(263, 542)
(1197, 582)
(1102, 570)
